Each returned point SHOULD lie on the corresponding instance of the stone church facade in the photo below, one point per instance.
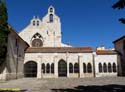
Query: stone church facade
(48, 57)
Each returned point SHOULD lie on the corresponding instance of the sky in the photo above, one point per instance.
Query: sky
(84, 22)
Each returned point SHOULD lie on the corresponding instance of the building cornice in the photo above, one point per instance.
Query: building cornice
(60, 50)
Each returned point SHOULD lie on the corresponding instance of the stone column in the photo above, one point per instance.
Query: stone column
(80, 65)
(39, 73)
(67, 66)
(55, 67)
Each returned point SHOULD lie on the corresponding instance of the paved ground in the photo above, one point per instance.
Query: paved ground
(116, 84)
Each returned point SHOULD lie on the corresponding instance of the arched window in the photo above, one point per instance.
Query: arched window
(52, 68)
(33, 23)
(104, 67)
(43, 68)
(100, 68)
(37, 23)
(89, 68)
(51, 10)
(70, 68)
(47, 68)
(109, 68)
(114, 67)
(76, 68)
(84, 68)
(51, 17)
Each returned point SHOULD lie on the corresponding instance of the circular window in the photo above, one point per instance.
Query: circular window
(37, 43)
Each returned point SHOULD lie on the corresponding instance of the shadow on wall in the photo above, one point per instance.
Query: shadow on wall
(2, 67)
(93, 88)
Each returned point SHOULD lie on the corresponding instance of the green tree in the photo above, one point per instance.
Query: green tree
(120, 5)
(4, 31)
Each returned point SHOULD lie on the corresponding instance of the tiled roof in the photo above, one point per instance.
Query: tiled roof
(60, 50)
(121, 38)
(105, 52)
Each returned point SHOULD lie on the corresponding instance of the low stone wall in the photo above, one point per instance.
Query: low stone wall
(106, 75)
(73, 75)
(48, 76)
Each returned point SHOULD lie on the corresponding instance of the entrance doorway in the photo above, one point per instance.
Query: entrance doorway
(62, 68)
(30, 69)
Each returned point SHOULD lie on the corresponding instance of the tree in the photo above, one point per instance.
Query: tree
(4, 31)
(120, 5)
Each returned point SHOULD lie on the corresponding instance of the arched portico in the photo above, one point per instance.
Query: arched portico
(62, 68)
(30, 69)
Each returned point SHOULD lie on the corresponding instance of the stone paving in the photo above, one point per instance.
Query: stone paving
(116, 84)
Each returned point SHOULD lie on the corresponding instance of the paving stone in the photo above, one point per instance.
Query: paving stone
(67, 84)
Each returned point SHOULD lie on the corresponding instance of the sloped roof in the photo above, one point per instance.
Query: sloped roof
(105, 52)
(60, 50)
(123, 37)
(13, 30)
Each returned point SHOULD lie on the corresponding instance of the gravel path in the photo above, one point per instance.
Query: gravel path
(67, 84)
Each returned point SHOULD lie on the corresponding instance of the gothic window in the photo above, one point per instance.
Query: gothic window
(70, 68)
(47, 68)
(52, 68)
(38, 35)
(89, 68)
(100, 67)
(114, 67)
(43, 68)
(104, 67)
(109, 68)
(51, 17)
(76, 68)
(84, 68)
(36, 40)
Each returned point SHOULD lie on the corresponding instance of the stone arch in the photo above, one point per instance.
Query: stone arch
(100, 68)
(76, 68)
(70, 68)
(109, 68)
(51, 18)
(52, 68)
(105, 67)
(51, 10)
(89, 68)
(30, 69)
(43, 68)
(84, 68)
(62, 68)
(38, 22)
(114, 67)
(47, 68)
